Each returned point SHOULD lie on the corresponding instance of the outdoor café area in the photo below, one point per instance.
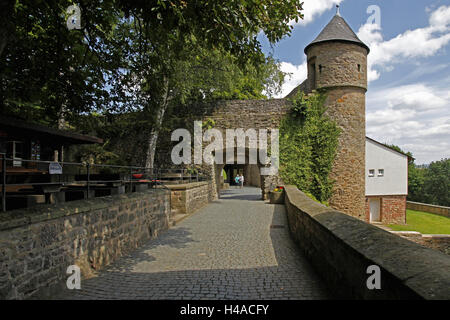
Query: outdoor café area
(33, 170)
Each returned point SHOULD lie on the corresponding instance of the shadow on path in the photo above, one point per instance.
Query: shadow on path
(222, 252)
(246, 193)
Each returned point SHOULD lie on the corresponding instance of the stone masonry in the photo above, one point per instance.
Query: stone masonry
(234, 248)
(341, 70)
(189, 197)
(337, 64)
(38, 244)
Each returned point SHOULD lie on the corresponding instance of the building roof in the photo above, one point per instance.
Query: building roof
(337, 30)
(27, 128)
(389, 147)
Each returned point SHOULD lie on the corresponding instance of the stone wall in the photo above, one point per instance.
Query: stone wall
(439, 210)
(392, 209)
(439, 242)
(188, 198)
(341, 248)
(234, 114)
(338, 64)
(346, 106)
(38, 244)
(340, 68)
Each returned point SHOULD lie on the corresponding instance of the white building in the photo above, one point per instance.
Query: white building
(386, 183)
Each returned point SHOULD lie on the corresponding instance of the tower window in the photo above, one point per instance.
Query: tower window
(312, 72)
(320, 68)
(359, 68)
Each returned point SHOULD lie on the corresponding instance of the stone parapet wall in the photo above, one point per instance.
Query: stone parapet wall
(341, 248)
(188, 198)
(440, 210)
(38, 244)
(439, 242)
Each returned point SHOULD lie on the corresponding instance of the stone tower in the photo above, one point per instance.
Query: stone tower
(337, 62)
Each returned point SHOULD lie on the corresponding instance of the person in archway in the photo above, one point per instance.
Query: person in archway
(236, 180)
(241, 180)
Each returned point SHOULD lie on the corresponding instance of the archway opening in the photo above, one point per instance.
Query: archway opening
(250, 171)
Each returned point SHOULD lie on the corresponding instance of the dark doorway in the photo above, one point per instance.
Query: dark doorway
(232, 170)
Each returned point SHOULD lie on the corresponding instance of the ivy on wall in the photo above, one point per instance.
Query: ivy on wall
(308, 145)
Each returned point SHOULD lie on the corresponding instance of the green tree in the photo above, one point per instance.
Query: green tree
(132, 54)
(416, 180)
(153, 78)
(428, 184)
(437, 183)
(47, 71)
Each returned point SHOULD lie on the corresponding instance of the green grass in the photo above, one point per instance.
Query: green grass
(424, 222)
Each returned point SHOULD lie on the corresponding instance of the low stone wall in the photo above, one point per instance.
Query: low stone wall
(38, 244)
(440, 210)
(439, 242)
(341, 248)
(189, 197)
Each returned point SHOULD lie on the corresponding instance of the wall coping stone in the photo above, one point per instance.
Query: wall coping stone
(186, 186)
(436, 236)
(428, 205)
(420, 269)
(22, 217)
(407, 233)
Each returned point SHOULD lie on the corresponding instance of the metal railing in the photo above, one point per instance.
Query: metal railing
(36, 175)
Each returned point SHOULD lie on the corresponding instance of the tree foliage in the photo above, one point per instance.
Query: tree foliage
(308, 144)
(47, 69)
(130, 55)
(428, 184)
(436, 187)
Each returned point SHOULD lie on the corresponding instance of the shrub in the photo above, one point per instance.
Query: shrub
(308, 145)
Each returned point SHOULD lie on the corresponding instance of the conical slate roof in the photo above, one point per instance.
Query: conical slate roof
(337, 30)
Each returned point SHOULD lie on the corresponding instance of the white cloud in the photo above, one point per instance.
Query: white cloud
(296, 75)
(417, 43)
(314, 8)
(415, 117)
(440, 18)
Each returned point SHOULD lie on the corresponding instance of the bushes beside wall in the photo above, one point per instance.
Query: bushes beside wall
(308, 145)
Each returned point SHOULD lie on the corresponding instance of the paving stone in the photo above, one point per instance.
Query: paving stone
(226, 250)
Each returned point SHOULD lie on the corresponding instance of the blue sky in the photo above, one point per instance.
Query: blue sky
(408, 100)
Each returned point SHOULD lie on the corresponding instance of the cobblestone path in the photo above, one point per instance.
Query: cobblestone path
(237, 247)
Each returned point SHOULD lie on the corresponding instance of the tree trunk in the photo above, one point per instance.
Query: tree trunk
(153, 138)
(62, 117)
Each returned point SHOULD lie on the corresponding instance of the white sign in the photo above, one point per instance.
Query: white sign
(55, 168)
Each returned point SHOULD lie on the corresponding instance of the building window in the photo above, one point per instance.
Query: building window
(359, 68)
(371, 172)
(15, 151)
(380, 172)
(320, 68)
